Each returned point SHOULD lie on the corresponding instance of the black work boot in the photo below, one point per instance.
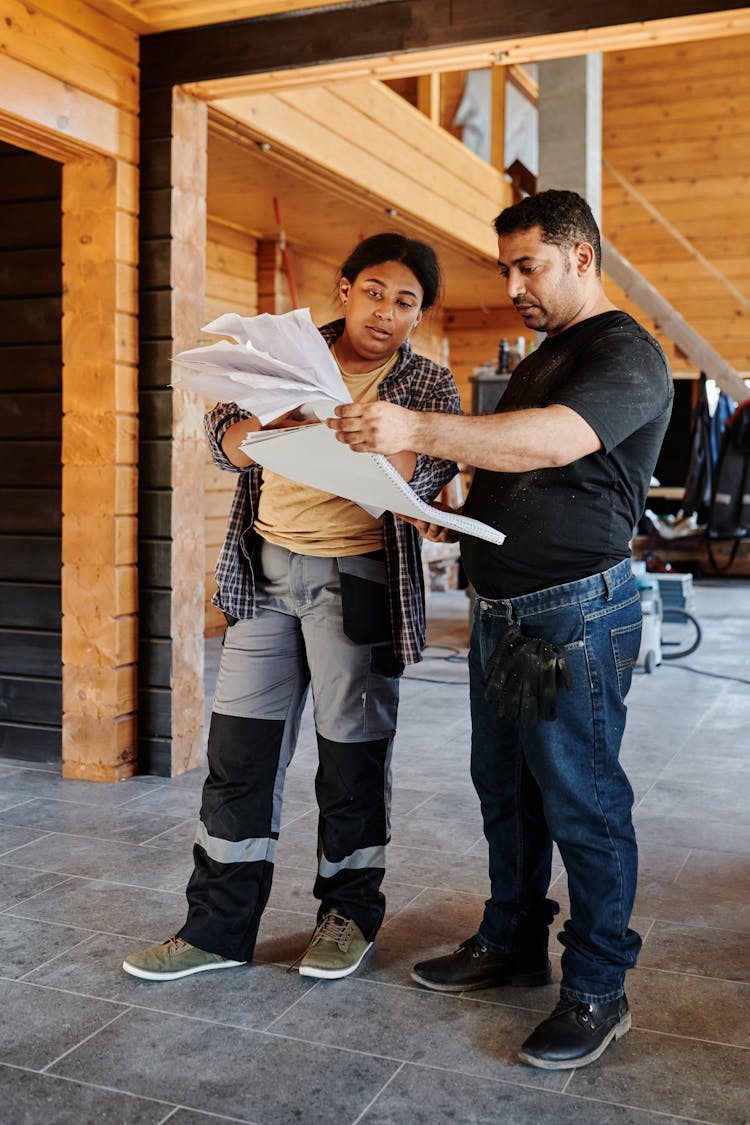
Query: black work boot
(576, 1034)
(474, 966)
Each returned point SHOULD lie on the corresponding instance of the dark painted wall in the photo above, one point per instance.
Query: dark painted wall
(30, 446)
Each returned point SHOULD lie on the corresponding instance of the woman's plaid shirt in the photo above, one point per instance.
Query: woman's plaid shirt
(414, 382)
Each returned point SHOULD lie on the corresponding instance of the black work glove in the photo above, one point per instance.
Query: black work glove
(504, 673)
(521, 677)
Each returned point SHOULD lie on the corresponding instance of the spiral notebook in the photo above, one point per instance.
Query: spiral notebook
(312, 455)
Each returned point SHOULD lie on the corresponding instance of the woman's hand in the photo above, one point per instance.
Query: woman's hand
(290, 420)
(435, 532)
(236, 434)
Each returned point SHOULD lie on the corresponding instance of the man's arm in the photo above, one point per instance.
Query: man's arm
(515, 442)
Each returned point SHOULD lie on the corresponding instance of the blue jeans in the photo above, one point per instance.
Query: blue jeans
(562, 780)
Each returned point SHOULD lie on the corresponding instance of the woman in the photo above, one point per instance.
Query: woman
(317, 593)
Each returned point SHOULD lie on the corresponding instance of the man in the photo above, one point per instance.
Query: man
(563, 469)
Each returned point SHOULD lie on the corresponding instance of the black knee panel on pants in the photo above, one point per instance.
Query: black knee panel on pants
(351, 789)
(243, 761)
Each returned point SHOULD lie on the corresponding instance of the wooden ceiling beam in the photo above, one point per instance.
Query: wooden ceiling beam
(435, 33)
(475, 56)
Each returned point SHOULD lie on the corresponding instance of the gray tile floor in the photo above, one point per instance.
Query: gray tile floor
(90, 872)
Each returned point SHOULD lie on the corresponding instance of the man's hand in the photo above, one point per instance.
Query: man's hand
(374, 427)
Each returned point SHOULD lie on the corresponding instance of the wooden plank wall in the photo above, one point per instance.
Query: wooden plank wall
(30, 456)
(69, 90)
(676, 140)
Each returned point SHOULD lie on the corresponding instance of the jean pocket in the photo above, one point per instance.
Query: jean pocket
(626, 643)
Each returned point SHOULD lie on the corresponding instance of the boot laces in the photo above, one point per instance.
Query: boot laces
(336, 928)
(176, 944)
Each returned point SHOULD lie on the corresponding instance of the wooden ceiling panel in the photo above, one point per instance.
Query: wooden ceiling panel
(169, 15)
(325, 219)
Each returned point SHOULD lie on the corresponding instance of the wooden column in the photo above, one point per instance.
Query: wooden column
(272, 286)
(99, 455)
(188, 274)
(171, 548)
(497, 129)
(428, 96)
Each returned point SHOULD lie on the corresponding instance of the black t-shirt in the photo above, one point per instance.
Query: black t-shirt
(565, 523)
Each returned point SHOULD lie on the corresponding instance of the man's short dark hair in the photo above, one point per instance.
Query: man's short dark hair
(564, 218)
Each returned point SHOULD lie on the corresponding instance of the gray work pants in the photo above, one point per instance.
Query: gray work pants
(296, 642)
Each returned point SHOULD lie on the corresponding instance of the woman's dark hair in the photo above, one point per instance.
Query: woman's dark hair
(564, 217)
(392, 247)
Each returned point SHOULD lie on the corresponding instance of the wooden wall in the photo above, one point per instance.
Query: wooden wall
(69, 91)
(30, 456)
(676, 191)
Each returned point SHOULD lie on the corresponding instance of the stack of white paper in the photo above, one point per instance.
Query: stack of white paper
(277, 364)
(280, 363)
(314, 456)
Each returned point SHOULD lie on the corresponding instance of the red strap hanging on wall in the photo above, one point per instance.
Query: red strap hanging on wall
(285, 255)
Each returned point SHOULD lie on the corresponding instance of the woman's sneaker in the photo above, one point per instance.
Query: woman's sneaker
(336, 948)
(174, 958)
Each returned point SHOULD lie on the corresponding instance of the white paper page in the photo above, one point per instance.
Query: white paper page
(276, 364)
(312, 455)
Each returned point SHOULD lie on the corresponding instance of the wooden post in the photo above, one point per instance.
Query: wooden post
(172, 502)
(99, 455)
(497, 128)
(428, 96)
(189, 169)
(272, 288)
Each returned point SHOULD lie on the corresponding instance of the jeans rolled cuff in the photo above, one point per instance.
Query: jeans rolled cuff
(493, 946)
(577, 997)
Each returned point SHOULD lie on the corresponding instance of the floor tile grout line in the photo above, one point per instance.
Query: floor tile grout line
(29, 898)
(392, 917)
(91, 933)
(19, 805)
(402, 1064)
(172, 1107)
(692, 926)
(683, 866)
(173, 828)
(382, 1090)
(566, 1084)
(63, 952)
(88, 1085)
(96, 879)
(290, 1007)
(69, 800)
(648, 929)
(37, 840)
(692, 976)
(572, 1095)
(639, 1108)
(81, 836)
(86, 1038)
(173, 1110)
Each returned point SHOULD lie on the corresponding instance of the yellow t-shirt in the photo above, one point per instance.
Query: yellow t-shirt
(310, 522)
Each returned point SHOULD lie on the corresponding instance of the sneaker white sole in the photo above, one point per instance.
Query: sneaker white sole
(332, 974)
(147, 974)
